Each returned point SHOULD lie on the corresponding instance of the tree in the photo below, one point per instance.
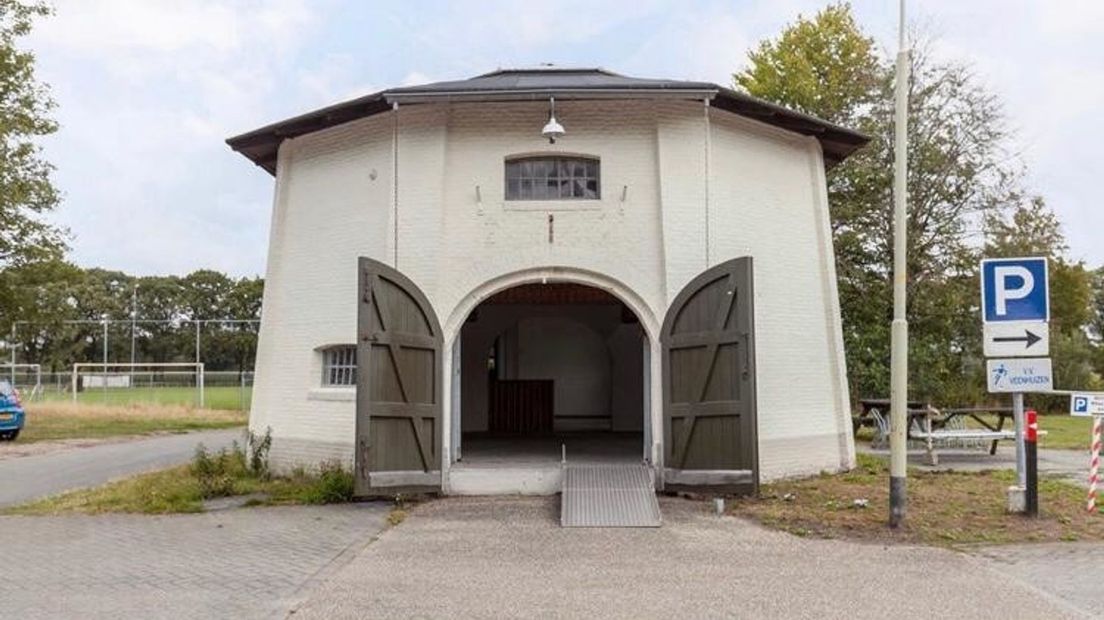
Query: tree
(26, 190)
(823, 66)
(1032, 229)
(47, 296)
(958, 173)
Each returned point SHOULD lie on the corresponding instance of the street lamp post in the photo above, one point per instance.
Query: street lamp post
(133, 328)
(899, 331)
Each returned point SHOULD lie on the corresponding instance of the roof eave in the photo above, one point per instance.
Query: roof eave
(543, 93)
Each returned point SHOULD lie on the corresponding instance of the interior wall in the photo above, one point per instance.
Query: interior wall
(594, 358)
(575, 356)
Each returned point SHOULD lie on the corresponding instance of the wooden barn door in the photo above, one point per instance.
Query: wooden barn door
(398, 410)
(709, 428)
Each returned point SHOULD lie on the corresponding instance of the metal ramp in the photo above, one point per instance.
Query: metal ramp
(608, 496)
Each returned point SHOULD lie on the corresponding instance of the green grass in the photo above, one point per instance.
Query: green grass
(1064, 432)
(215, 397)
(183, 489)
(47, 421)
(944, 508)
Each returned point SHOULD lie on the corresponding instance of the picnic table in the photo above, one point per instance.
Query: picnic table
(930, 424)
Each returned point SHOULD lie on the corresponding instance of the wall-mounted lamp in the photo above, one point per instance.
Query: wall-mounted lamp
(553, 129)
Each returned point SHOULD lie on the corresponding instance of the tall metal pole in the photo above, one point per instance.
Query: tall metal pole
(1021, 450)
(103, 377)
(133, 328)
(197, 324)
(899, 356)
(11, 345)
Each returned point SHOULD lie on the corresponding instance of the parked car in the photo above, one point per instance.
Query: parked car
(11, 412)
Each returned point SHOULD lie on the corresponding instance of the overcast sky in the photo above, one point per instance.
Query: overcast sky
(149, 89)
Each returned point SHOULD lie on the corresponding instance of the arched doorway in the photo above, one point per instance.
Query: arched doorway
(546, 367)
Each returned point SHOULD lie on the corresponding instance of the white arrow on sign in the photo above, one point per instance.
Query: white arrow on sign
(1017, 339)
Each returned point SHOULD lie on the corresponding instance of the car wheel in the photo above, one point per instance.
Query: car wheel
(12, 436)
(6, 436)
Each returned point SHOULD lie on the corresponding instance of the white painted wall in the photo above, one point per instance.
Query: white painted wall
(695, 193)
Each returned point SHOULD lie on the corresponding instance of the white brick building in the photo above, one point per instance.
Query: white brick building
(539, 277)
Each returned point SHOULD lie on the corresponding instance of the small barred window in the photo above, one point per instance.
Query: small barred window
(552, 178)
(339, 365)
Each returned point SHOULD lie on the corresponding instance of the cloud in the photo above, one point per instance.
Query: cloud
(148, 90)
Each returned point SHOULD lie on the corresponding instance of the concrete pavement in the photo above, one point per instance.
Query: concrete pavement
(26, 478)
(508, 558)
(248, 563)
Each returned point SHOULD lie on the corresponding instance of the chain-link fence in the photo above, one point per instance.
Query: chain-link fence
(218, 389)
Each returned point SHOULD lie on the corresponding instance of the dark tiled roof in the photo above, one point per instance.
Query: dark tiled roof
(549, 80)
(261, 145)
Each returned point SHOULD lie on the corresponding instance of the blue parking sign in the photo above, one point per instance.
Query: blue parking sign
(1014, 289)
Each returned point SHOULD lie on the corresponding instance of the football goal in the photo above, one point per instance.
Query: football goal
(27, 378)
(176, 383)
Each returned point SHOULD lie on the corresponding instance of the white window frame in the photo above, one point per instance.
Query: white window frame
(339, 366)
(560, 200)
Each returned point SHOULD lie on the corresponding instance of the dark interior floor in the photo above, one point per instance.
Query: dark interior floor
(582, 447)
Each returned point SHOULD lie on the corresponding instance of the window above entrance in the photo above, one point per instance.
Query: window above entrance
(546, 177)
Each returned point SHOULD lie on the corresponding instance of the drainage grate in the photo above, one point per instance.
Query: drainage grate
(608, 496)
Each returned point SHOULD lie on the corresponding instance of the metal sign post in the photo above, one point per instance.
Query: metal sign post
(1015, 311)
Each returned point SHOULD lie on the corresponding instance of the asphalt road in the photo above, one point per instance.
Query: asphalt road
(25, 478)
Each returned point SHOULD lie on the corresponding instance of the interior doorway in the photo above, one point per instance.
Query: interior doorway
(547, 368)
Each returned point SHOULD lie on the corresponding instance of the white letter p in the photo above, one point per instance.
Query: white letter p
(1001, 275)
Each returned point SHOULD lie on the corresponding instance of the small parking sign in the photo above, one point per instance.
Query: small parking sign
(1014, 289)
(1087, 404)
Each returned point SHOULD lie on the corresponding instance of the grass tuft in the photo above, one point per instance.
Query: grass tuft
(183, 489)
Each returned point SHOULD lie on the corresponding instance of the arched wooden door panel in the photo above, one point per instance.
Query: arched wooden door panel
(709, 427)
(398, 405)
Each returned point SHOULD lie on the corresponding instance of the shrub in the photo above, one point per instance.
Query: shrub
(218, 473)
(334, 485)
(258, 452)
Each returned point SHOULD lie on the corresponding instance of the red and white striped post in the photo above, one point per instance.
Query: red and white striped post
(1094, 464)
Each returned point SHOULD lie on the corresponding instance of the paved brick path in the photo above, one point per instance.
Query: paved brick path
(248, 563)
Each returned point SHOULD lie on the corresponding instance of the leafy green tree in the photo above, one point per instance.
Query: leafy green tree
(824, 66)
(26, 190)
(959, 174)
(1032, 229)
(47, 295)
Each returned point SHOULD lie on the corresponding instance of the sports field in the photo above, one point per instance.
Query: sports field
(215, 397)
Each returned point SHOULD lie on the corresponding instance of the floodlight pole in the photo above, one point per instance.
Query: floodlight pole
(133, 328)
(898, 445)
(11, 345)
